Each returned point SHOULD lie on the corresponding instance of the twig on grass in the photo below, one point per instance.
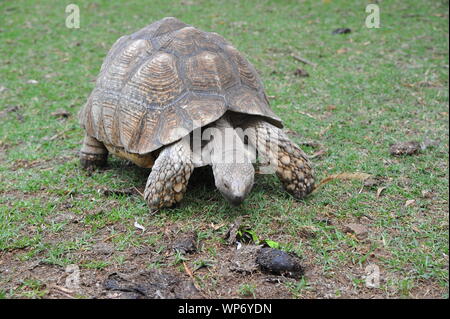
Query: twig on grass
(342, 176)
(191, 275)
(303, 60)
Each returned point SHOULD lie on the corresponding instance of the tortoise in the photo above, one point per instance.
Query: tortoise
(159, 86)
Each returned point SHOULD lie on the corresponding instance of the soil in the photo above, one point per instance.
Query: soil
(223, 278)
(133, 279)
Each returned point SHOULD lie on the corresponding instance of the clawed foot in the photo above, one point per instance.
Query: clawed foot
(168, 180)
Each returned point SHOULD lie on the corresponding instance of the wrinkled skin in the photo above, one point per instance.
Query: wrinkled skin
(233, 171)
(234, 181)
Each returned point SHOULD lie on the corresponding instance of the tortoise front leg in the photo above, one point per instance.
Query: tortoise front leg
(293, 167)
(93, 153)
(169, 177)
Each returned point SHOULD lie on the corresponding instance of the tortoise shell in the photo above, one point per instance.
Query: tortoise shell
(160, 83)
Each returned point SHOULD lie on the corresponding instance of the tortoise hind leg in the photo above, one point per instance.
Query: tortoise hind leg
(169, 177)
(293, 167)
(93, 153)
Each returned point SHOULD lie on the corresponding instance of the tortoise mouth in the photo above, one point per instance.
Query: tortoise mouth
(235, 195)
(235, 201)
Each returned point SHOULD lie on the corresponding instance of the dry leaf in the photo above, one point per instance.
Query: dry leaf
(342, 50)
(137, 225)
(319, 153)
(410, 202)
(307, 114)
(379, 191)
(218, 226)
(343, 176)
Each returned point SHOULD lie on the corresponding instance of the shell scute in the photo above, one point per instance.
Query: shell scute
(162, 82)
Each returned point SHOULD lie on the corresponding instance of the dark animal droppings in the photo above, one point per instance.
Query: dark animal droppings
(278, 262)
(342, 31)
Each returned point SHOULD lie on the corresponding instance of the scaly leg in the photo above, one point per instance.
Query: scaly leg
(93, 153)
(293, 167)
(169, 177)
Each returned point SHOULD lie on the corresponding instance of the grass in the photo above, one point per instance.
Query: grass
(247, 290)
(370, 89)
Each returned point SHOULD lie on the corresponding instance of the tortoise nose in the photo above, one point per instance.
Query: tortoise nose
(236, 200)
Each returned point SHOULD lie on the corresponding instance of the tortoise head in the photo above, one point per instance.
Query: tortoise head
(234, 180)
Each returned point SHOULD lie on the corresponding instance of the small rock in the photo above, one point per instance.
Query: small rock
(32, 82)
(405, 148)
(278, 262)
(359, 230)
